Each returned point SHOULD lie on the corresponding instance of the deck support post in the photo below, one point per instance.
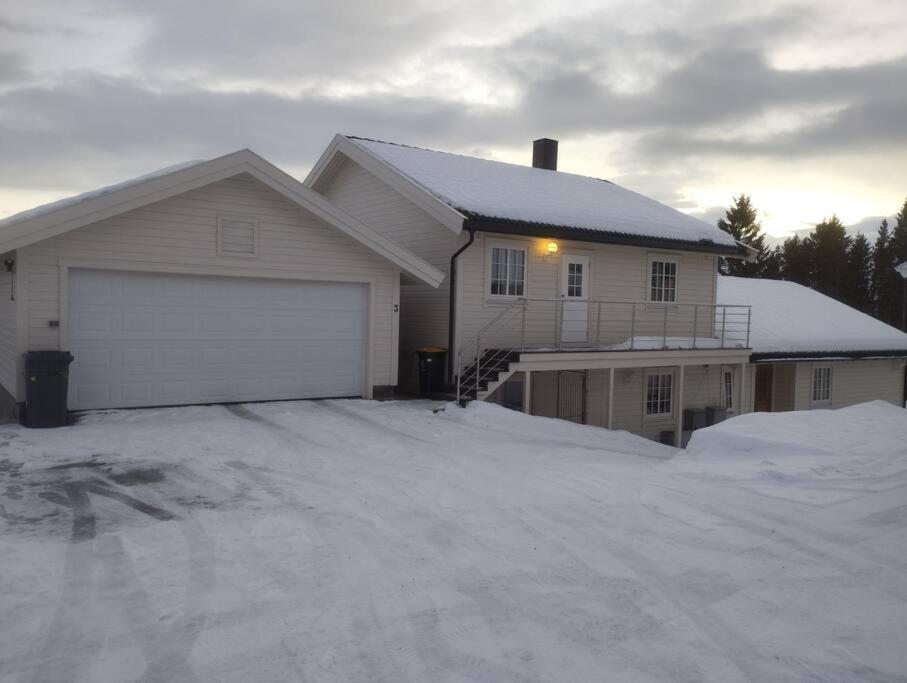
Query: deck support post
(743, 401)
(527, 392)
(678, 429)
(611, 397)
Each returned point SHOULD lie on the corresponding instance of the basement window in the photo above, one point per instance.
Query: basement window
(821, 389)
(728, 379)
(236, 237)
(659, 394)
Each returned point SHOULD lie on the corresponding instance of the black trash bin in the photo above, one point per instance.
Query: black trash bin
(432, 366)
(46, 384)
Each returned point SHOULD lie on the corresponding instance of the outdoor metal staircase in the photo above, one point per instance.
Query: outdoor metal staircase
(490, 370)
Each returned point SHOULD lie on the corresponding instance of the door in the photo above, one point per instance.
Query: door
(762, 401)
(574, 298)
(149, 339)
(571, 395)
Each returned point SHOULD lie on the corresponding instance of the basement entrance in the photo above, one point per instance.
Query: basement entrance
(571, 395)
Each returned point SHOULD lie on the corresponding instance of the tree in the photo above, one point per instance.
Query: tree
(899, 251)
(773, 264)
(857, 280)
(883, 275)
(740, 222)
(797, 260)
(830, 244)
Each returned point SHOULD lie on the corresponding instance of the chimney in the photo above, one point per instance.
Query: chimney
(544, 154)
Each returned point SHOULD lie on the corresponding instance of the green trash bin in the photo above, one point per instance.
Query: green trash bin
(432, 366)
(46, 386)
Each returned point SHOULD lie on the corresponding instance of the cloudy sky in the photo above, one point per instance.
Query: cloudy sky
(801, 104)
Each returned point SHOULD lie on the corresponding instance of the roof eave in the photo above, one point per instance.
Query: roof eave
(766, 356)
(516, 227)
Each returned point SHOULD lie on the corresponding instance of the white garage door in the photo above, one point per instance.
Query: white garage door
(148, 339)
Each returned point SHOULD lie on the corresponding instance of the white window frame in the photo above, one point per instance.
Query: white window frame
(662, 258)
(655, 417)
(513, 246)
(812, 385)
(728, 390)
(220, 233)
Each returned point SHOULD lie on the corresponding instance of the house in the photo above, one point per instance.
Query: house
(811, 351)
(563, 295)
(213, 281)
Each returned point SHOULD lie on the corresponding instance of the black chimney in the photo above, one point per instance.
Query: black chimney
(544, 154)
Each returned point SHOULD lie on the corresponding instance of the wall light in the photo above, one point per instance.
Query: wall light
(552, 247)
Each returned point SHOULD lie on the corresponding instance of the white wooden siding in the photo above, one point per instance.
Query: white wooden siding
(180, 235)
(423, 309)
(852, 382)
(9, 356)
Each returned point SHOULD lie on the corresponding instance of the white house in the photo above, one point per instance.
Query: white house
(811, 351)
(214, 281)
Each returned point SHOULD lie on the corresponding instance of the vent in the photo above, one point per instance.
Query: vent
(236, 237)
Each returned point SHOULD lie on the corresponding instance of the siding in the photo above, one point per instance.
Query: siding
(9, 356)
(423, 309)
(181, 233)
(616, 273)
(785, 380)
(852, 382)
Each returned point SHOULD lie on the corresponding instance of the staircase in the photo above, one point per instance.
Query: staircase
(478, 380)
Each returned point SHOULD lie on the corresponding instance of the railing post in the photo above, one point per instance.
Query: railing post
(478, 364)
(632, 326)
(523, 327)
(695, 322)
(560, 327)
(664, 329)
(459, 373)
(723, 323)
(598, 324)
(749, 317)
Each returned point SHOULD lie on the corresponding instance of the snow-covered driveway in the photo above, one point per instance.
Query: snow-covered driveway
(360, 541)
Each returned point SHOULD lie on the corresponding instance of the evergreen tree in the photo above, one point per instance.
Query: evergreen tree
(830, 244)
(857, 281)
(883, 275)
(797, 260)
(899, 252)
(773, 264)
(740, 222)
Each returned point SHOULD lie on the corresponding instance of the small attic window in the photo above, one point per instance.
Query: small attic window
(236, 237)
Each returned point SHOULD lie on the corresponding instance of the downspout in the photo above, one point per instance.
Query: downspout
(451, 305)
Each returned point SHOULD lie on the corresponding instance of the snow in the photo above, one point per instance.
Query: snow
(791, 318)
(499, 190)
(51, 207)
(362, 541)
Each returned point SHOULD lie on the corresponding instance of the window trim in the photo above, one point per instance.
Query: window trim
(666, 258)
(728, 404)
(812, 385)
(220, 234)
(505, 244)
(658, 417)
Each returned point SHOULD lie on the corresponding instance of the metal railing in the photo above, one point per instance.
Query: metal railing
(540, 325)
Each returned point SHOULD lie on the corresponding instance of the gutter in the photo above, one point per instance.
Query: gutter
(766, 357)
(451, 304)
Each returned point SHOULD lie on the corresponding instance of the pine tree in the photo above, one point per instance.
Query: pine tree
(883, 274)
(741, 223)
(829, 247)
(797, 260)
(898, 292)
(773, 264)
(857, 281)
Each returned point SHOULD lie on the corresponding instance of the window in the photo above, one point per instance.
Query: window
(575, 280)
(728, 379)
(236, 237)
(508, 271)
(662, 280)
(822, 384)
(659, 394)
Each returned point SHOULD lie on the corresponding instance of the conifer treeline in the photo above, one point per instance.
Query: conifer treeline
(848, 268)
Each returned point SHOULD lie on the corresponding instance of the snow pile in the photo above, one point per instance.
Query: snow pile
(791, 318)
(500, 190)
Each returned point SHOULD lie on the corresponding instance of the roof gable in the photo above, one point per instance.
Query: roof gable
(68, 214)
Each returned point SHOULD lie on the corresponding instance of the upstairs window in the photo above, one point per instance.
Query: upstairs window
(659, 394)
(236, 237)
(821, 384)
(508, 271)
(662, 280)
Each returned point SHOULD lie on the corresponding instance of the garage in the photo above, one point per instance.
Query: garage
(154, 339)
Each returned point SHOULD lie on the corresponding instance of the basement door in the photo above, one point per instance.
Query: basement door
(574, 298)
(150, 339)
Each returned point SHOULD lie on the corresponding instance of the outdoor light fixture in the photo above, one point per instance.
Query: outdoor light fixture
(552, 247)
(9, 264)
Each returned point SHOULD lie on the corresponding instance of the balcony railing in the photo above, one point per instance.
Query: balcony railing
(540, 325)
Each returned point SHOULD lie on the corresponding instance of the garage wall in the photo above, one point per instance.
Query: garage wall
(180, 233)
(853, 381)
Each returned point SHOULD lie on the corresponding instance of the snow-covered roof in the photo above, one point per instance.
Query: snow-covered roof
(50, 207)
(511, 192)
(902, 269)
(791, 319)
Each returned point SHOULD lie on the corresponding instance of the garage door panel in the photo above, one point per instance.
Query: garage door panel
(156, 339)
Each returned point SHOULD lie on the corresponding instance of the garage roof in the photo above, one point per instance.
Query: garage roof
(53, 219)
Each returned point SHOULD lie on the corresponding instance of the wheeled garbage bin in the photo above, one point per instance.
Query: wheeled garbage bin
(432, 366)
(46, 385)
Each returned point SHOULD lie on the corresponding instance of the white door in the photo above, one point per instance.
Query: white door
(574, 298)
(149, 339)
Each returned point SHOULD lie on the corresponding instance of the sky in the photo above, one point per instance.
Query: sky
(802, 105)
